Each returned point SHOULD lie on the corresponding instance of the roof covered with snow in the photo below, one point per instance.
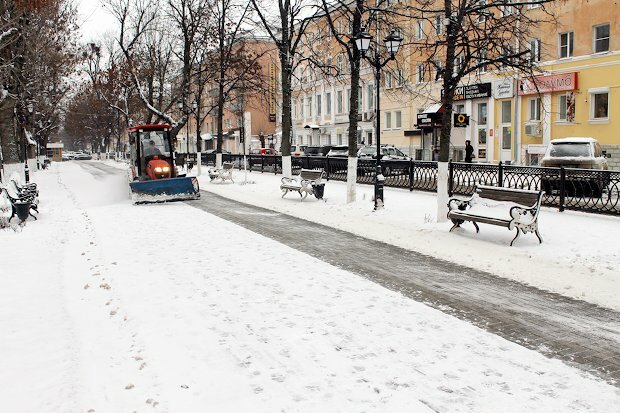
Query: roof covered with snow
(55, 145)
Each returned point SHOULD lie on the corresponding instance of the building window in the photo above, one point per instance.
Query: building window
(398, 120)
(400, 78)
(301, 107)
(482, 59)
(439, 24)
(310, 106)
(371, 97)
(482, 114)
(506, 124)
(388, 120)
(339, 137)
(599, 104)
(419, 29)
(460, 108)
(389, 81)
(534, 50)
(295, 109)
(566, 44)
(534, 109)
(458, 63)
(339, 63)
(482, 13)
(482, 124)
(319, 102)
(420, 74)
(438, 70)
(601, 38)
(507, 10)
(359, 99)
(339, 106)
(328, 103)
(348, 100)
(566, 107)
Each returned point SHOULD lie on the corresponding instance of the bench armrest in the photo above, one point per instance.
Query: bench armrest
(524, 215)
(460, 204)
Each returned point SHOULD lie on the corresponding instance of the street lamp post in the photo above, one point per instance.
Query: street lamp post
(196, 107)
(392, 44)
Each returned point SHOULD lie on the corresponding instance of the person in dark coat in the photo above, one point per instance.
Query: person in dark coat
(469, 151)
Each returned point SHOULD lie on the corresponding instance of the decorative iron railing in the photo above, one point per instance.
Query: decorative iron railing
(576, 189)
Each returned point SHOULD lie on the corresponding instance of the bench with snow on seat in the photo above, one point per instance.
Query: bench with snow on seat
(308, 182)
(506, 207)
(224, 173)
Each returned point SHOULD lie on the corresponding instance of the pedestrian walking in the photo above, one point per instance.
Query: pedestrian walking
(469, 151)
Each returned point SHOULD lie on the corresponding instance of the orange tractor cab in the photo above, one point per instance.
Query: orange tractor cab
(153, 176)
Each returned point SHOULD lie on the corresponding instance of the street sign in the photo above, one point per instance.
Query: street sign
(461, 120)
(429, 120)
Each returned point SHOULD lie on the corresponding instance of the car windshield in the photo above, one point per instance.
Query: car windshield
(369, 150)
(569, 149)
(154, 143)
(313, 150)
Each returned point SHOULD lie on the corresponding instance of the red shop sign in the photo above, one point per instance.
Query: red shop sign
(548, 84)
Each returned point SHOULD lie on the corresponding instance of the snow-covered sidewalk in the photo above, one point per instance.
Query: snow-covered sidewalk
(579, 257)
(110, 307)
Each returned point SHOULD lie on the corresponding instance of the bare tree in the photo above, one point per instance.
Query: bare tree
(286, 28)
(479, 35)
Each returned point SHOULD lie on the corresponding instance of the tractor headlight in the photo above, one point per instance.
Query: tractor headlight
(158, 169)
(165, 169)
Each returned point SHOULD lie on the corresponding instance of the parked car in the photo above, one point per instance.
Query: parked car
(340, 151)
(317, 150)
(298, 150)
(82, 156)
(387, 152)
(575, 152)
(263, 151)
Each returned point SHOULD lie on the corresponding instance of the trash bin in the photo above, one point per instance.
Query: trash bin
(22, 210)
(318, 190)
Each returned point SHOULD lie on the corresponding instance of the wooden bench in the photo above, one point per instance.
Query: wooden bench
(224, 173)
(506, 207)
(303, 184)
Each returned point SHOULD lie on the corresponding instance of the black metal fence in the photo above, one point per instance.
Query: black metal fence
(576, 189)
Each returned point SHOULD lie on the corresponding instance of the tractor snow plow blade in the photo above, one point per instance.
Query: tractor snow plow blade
(164, 190)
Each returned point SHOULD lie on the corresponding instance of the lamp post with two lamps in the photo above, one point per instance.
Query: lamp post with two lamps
(392, 44)
(196, 108)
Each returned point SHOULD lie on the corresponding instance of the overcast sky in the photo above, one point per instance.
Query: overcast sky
(94, 20)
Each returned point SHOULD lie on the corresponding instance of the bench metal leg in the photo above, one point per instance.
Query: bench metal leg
(457, 223)
(303, 196)
(538, 235)
(476, 225)
(516, 236)
(284, 192)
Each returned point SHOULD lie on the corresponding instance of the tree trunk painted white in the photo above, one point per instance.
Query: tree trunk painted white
(287, 169)
(198, 163)
(218, 160)
(351, 179)
(442, 191)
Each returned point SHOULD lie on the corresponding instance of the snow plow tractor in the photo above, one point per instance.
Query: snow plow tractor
(153, 175)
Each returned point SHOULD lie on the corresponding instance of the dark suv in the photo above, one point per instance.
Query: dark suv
(316, 150)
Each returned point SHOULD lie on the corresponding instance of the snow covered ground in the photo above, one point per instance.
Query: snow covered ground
(579, 256)
(110, 307)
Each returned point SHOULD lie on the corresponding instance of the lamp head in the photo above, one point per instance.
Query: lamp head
(362, 41)
(392, 42)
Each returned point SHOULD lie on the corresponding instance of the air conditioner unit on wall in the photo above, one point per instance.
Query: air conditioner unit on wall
(532, 129)
(368, 116)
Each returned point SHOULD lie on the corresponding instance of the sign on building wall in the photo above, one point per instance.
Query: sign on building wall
(547, 84)
(479, 90)
(503, 89)
(272, 92)
(461, 120)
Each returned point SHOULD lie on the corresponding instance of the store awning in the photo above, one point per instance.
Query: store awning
(311, 126)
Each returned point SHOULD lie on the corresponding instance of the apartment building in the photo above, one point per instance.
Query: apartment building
(250, 111)
(511, 117)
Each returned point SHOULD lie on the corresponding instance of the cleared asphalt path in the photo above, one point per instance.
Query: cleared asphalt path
(581, 334)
